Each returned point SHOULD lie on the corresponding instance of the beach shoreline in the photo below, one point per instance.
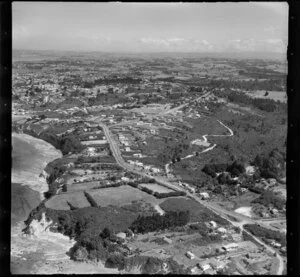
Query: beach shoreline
(42, 252)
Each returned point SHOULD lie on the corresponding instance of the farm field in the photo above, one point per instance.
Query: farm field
(279, 225)
(82, 186)
(274, 95)
(120, 196)
(86, 178)
(151, 109)
(198, 213)
(94, 142)
(59, 202)
(156, 188)
(244, 199)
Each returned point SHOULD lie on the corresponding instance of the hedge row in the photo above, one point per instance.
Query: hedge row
(169, 194)
(109, 186)
(90, 199)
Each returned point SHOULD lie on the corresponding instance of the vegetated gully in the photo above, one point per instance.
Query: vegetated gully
(218, 210)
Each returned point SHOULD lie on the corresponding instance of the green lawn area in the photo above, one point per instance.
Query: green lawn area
(198, 213)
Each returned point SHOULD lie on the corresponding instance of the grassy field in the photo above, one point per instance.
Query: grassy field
(156, 188)
(205, 126)
(120, 196)
(83, 186)
(198, 213)
(274, 95)
(59, 202)
(245, 199)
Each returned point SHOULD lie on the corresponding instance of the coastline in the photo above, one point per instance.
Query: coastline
(32, 158)
(43, 252)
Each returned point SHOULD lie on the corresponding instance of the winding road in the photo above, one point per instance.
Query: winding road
(240, 221)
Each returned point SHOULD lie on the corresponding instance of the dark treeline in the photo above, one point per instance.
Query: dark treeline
(66, 144)
(236, 168)
(269, 198)
(266, 234)
(270, 165)
(111, 81)
(267, 105)
(277, 84)
(144, 224)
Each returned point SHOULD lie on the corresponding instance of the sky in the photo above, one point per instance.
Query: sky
(151, 27)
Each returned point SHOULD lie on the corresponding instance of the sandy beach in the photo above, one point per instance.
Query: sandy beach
(30, 157)
(43, 251)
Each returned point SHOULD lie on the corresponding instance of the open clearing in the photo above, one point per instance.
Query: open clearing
(247, 211)
(245, 199)
(152, 109)
(274, 95)
(59, 202)
(156, 188)
(93, 142)
(120, 196)
(83, 186)
(198, 213)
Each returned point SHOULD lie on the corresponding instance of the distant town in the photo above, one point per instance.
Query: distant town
(169, 164)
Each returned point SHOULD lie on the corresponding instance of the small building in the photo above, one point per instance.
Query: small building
(230, 247)
(272, 181)
(191, 190)
(121, 235)
(194, 269)
(190, 255)
(155, 170)
(147, 167)
(274, 211)
(204, 195)
(222, 230)
(213, 224)
(250, 170)
(125, 179)
(167, 240)
(205, 267)
(275, 244)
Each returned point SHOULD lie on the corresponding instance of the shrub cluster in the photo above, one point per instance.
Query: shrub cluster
(169, 194)
(235, 168)
(266, 234)
(66, 144)
(144, 224)
(270, 165)
(90, 199)
(147, 190)
(268, 198)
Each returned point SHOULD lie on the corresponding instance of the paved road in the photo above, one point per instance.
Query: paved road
(241, 219)
(119, 159)
(185, 104)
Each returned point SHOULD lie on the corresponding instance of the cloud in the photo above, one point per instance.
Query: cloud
(154, 42)
(270, 29)
(20, 32)
(250, 45)
(176, 44)
(176, 40)
(279, 8)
